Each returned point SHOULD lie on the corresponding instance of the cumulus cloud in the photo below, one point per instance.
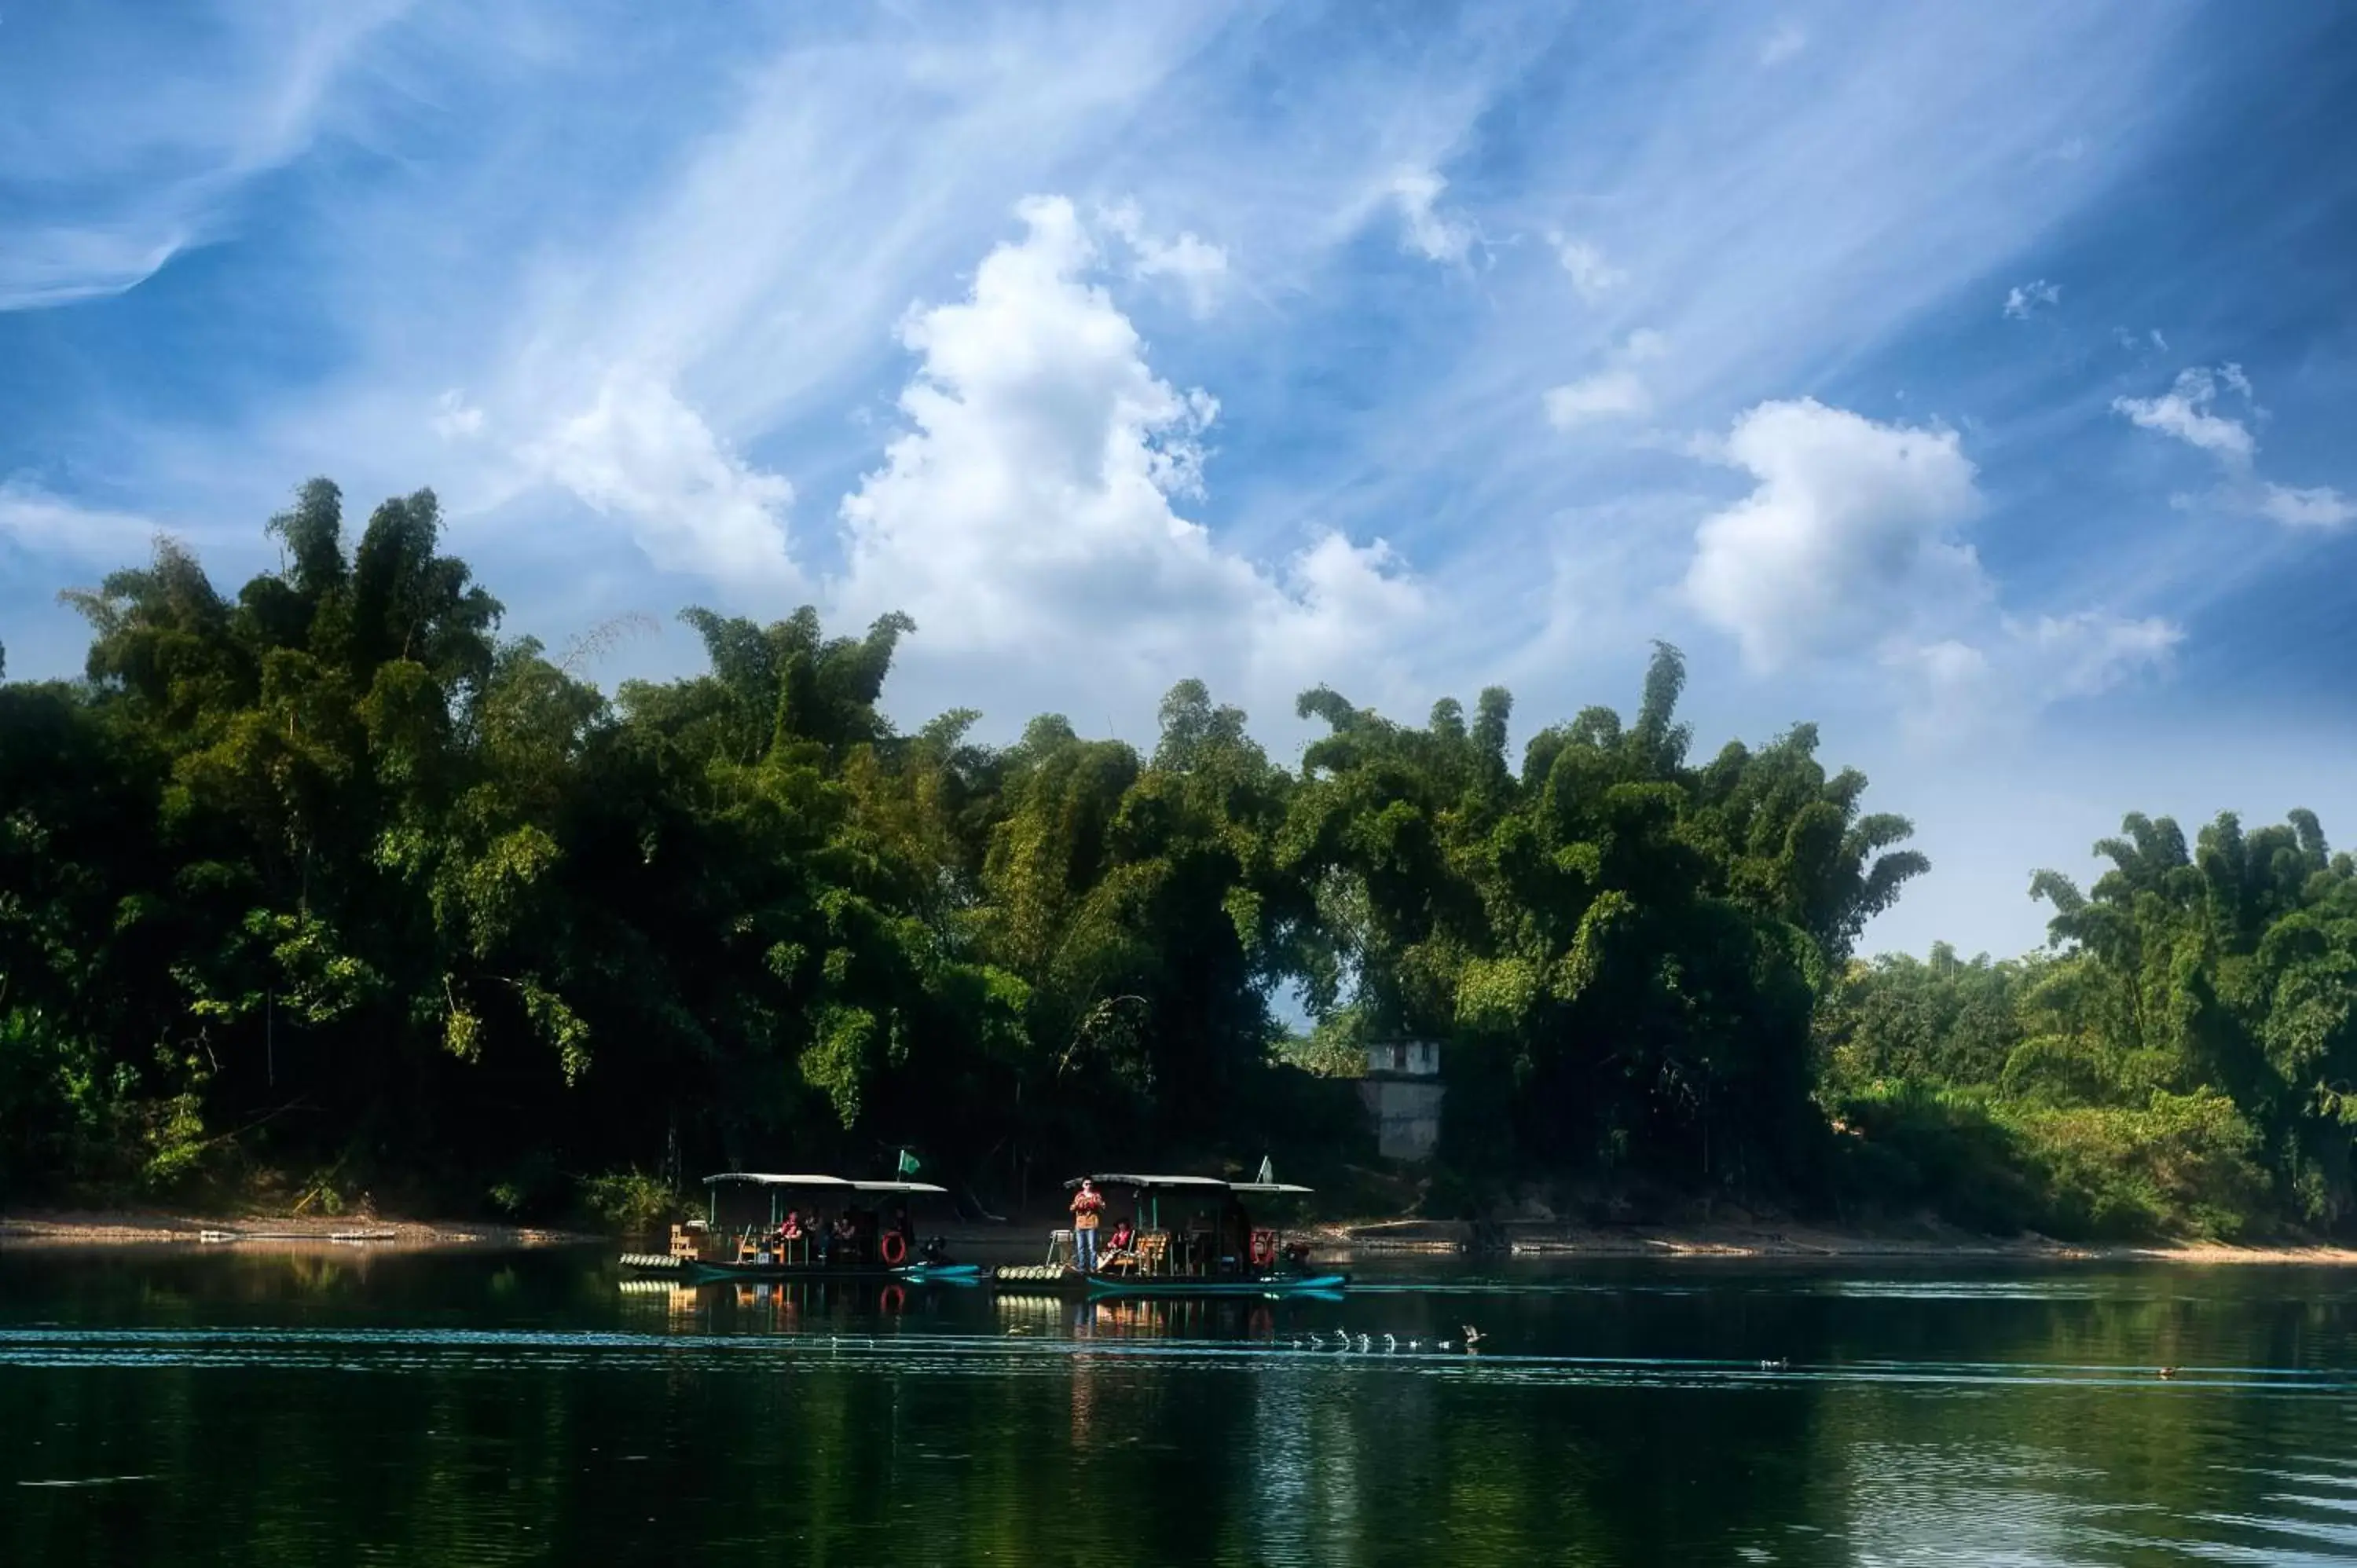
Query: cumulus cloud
(1591, 273)
(1846, 535)
(2185, 413)
(641, 453)
(1196, 265)
(1426, 230)
(1029, 504)
(1848, 546)
(2027, 297)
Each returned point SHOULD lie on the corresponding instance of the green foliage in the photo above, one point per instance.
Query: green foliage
(326, 875)
(2180, 1063)
(631, 1202)
(1623, 946)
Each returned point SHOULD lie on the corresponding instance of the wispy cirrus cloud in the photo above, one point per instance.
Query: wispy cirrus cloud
(41, 523)
(108, 188)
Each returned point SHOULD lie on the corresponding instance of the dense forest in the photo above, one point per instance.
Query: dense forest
(325, 889)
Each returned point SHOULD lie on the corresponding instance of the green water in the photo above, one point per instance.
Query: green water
(163, 1410)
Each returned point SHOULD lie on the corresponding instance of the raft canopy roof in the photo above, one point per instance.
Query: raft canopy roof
(1184, 1183)
(822, 1183)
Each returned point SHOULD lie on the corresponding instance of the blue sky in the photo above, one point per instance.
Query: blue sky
(1974, 381)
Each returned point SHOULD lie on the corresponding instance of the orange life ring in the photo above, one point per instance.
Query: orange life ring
(895, 1248)
(1263, 1248)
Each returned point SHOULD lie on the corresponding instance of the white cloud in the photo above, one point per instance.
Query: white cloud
(455, 418)
(2316, 506)
(1954, 691)
(1429, 233)
(1199, 266)
(46, 524)
(1028, 505)
(1591, 273)
(2028, 297)
(1845, 538)
(1602, 395)
(1608, 393)
(1782, 44)
(1849, 547)
(2183, 413)
(2089, 652)
(691, 503)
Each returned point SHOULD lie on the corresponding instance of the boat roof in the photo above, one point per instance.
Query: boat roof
(830, 1183)
(1184, 1183)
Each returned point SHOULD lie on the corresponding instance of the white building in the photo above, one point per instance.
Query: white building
(1402, 1093)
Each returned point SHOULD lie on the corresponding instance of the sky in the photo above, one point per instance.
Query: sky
(1973, 380)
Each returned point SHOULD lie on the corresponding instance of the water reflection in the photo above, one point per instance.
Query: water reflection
(407, 1410)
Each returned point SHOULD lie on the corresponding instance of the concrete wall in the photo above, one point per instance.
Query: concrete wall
(1406, 1116)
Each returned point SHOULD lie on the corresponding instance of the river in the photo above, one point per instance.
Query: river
(166, 1407)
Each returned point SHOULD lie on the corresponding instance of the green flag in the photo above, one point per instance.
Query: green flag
(907, 1164)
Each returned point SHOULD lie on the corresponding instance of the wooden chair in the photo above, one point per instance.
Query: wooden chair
(1153, 1251)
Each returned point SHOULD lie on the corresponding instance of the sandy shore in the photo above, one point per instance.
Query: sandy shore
(92, 1229)
(1373, 1237)
(1788, 1239)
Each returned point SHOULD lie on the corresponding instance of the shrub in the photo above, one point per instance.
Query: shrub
(630, 1202)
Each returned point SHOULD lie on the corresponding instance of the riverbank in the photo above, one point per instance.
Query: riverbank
(1371, 1238)
(85, 1228)
(1789, 1240)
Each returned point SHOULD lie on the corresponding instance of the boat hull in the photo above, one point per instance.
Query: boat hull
(1071, 1283)
(905, 1273)
(1243, 1284)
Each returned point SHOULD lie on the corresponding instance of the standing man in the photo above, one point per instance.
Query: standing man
(1087, 1205)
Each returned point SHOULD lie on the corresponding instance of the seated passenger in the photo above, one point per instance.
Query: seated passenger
(1120, 1246)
